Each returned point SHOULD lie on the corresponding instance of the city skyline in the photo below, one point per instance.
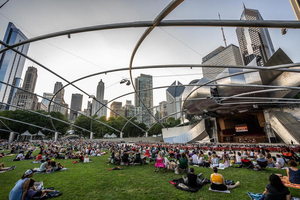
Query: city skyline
(118, 45)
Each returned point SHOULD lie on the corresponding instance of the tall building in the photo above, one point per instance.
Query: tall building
(144, 82)
(229, 55)
(11, 65)
(174, 99)
(24, 99)
(296, 7)
(130, 109)
(254, 42)
(59, 105)
(98, 107)
(48, 96)
(76, 104)
(117, 107)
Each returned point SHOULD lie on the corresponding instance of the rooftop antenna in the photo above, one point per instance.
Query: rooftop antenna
(224, 39)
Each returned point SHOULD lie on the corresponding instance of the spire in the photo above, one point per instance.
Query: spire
(244, 6)
(224, 39)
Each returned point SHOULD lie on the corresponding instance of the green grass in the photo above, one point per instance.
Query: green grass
(94, 181)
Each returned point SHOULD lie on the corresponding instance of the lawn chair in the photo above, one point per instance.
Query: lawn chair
(247, 165)
(262, 164)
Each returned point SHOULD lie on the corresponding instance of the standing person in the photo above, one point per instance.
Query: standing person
(21, 187)
(275, 190)
(218, 181)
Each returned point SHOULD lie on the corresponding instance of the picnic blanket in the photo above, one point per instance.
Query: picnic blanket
(254, 196)
(179, 184)
(116, 168)
(286, 182)
(222, 191)
(37, 171)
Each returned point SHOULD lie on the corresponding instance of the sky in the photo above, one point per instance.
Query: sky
(92, 52)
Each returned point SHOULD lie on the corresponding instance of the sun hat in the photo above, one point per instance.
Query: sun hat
(28, 172)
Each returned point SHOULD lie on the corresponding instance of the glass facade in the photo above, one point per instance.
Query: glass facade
(11, 64)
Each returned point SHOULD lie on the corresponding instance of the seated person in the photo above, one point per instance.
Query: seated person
(215, 160)
(20, 156)
(238, 158)
(293, 172)
(81, 158)
(218, 181)
(39, 157)
(183, 162)
(194, 158)
(3, 168)
(33, 192)
(192, 179)
(225, 160)
(45, 165)
(275, 189)
(29, 155)
(159, 161)
(247, 162)
(137, 158)
(261, 158)
(125, 157)
(166, 162)
(270, 160)
(279, 161)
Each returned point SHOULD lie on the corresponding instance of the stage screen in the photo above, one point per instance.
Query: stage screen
(241, 128)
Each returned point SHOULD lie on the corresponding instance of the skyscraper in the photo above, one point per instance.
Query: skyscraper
(174, 99)
(96, 105)
(296, 7)
(76, 104)
(254, 42)
(229, 55)
(144, 82)
(11, 65)
(24, 99)
(117, 107)
(59, 105)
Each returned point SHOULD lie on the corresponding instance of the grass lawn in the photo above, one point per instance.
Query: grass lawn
(94, 181)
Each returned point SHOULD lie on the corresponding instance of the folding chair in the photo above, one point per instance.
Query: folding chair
(247, 165)
(262, 164)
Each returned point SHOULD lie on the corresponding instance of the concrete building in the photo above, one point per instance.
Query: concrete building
(174, 100)
(117, 107)
(11, 65)
(296, 7)
(41, 106)
(59, 105)
(76, 104)
(229, 55)
(144, 82)
(254, 42)
(24, 99)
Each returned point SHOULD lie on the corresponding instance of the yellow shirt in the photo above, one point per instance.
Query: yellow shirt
(216, 178)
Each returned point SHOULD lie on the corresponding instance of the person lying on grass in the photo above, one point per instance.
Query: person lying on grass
(192, 179)
(33, 192)
(3, 168)
(218, 181)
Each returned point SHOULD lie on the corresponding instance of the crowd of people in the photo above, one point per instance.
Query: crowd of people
(177, 158)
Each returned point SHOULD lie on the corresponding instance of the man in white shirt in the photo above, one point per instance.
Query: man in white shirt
(20, 156)
(280, 161)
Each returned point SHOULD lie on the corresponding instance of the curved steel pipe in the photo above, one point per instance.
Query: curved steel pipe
(171, 6)
(166, 23)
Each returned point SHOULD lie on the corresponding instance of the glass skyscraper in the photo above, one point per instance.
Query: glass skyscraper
(11, 65)
(144, 82)
(254, 42)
